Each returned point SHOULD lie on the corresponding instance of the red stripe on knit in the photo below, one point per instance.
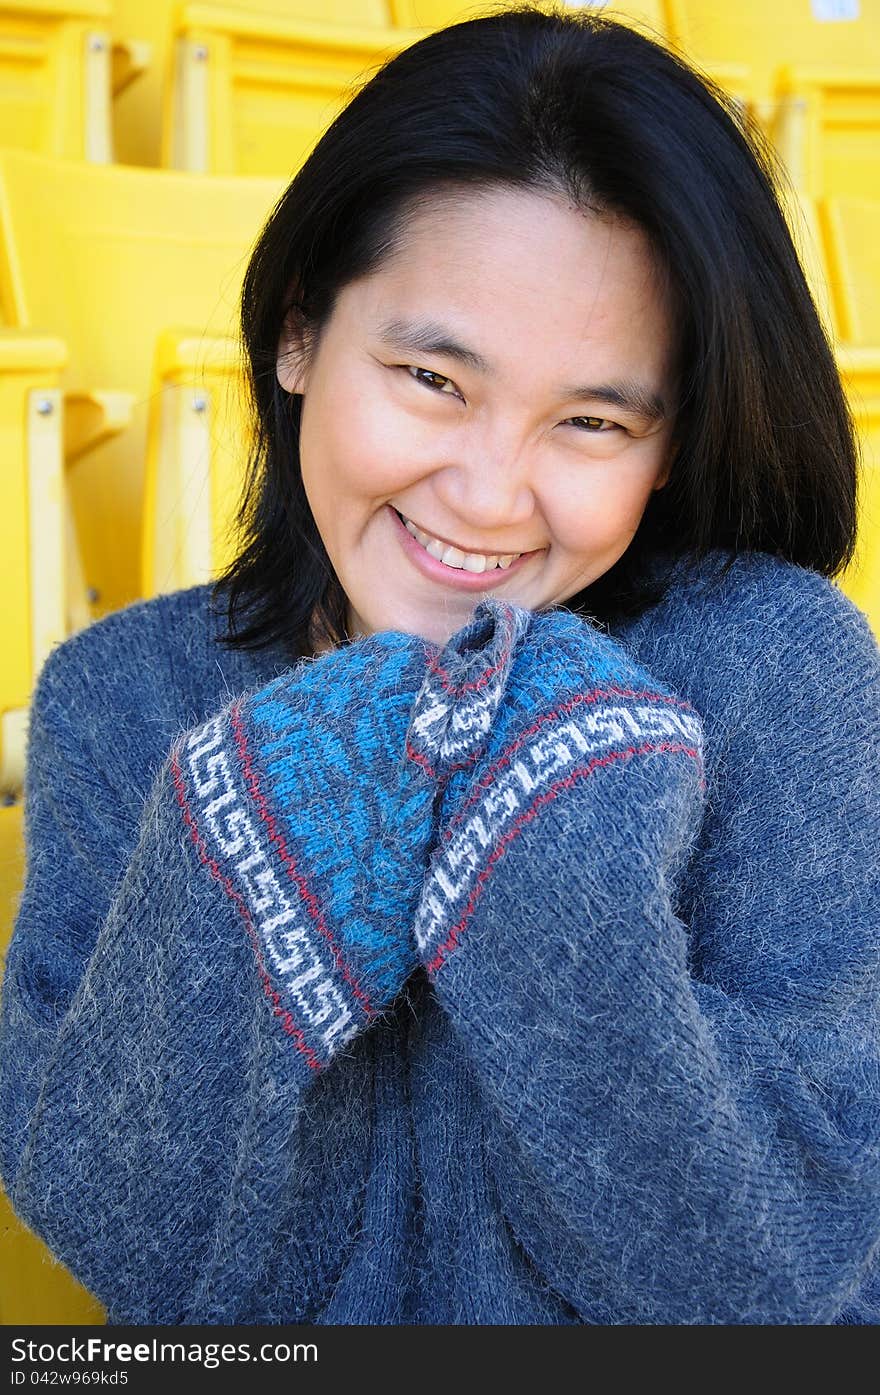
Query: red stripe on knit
(449, 944)
(444, 774)
(276, 837)
(476, 682)
(271, 993)
(423, 761)
(506, 756)
(450, 687)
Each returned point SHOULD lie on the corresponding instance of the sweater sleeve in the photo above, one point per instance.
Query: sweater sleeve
(174, 1015)
(669, 990)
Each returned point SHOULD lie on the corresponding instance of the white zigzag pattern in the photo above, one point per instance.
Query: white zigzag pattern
(536, 766)
(444, 737)
(284, 929)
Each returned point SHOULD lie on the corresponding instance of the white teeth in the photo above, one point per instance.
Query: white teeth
(453, 557)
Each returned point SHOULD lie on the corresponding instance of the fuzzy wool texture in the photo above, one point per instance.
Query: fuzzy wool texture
(531, 980)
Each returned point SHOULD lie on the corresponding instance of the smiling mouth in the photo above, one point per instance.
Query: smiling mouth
(453, 556)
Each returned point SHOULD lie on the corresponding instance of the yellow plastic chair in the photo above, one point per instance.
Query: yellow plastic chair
(251, 94)
(107, 258)
(137, 111)
(59, 69)
(198, 439)
(849, 227)
(32, 531)
(815, 79)
(35, 553)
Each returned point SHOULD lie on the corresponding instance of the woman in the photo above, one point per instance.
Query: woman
(486, 931)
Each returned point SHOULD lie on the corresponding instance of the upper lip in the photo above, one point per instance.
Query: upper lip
(480, 551)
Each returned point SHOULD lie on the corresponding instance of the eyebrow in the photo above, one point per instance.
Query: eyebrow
(428, 337)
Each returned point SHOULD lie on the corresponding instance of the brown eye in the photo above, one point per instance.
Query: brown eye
(433, 380)
(590, 423)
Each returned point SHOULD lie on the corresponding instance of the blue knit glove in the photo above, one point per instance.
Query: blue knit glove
(532, 705)
(296, 799)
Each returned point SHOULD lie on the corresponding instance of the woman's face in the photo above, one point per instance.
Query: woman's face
(505, 383)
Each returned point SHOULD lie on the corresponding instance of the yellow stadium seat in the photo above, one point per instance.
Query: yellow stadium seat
(107, 258)
(827, 129)
(36, 615)
(59, 68)
(849, 227)
(197, 442)
(251, 93)
(32, 531)
(138, 110)
(814, 78)
(767, 37)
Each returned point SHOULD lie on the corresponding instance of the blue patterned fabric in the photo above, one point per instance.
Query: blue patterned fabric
(294, 801)
(531, 980)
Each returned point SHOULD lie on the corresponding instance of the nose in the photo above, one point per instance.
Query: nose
(488, 484)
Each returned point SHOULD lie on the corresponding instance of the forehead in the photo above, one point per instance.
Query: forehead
(513, 271)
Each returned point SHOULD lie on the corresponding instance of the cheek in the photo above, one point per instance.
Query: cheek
(598, 512)
(355, 442)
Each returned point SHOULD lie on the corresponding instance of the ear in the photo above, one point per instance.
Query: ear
(291, 364)
(666, 469)
(663, 478)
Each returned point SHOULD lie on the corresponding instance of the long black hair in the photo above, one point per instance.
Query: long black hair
(574, 103)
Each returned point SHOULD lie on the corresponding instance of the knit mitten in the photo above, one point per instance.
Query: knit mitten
(300, 797)
(529, 787)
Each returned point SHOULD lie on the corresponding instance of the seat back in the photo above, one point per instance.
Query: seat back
(32, 532)
(851, 228)
(107, 258)
(198, 440)
(55, 77)
(841, 34)
(251, 94)
(138, 109)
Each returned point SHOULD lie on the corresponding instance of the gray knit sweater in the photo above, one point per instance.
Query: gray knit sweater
(308, 1017)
